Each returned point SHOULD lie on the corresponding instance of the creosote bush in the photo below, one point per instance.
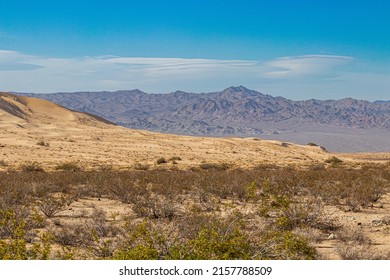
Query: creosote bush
(210, 213)
(51, 205)
(16, 247)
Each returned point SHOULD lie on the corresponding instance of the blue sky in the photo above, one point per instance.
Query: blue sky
(296, 49)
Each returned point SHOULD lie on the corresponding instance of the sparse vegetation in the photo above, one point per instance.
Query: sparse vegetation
(215, 166)
(51, 205)
(161, 160)
(105, 167)
(269, 212)
(68, 166)
(175, 158)
(43, 143)
(140, 166)
(31, 167)
(333, 160)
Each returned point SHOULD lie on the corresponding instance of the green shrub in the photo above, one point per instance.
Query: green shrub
(141, 242)
(251, 191)
(271, 200)
(210, 244)
(16, 248)
(291, 246)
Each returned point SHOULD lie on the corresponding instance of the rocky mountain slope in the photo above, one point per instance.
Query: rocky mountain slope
(235, 111)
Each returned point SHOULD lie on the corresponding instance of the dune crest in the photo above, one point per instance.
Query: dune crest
(21, 111)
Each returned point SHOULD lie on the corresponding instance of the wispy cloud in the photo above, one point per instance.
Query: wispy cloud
(109, 72)
(307, 76)
(14, 61)
(304, 66)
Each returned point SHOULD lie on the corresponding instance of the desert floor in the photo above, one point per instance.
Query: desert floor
(45, 135)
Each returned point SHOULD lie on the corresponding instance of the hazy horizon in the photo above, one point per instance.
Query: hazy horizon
(298, 50)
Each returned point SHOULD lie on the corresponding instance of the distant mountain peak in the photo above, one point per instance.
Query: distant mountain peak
(234, 111)
(137, 91)
(237, 89)
(239, 92)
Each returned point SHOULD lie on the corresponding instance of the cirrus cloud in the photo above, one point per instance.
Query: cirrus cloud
(296, 77)
(306, 65)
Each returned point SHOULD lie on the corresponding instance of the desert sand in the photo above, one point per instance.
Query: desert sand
(76, 137)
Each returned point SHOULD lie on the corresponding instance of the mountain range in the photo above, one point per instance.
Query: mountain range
(348, 124)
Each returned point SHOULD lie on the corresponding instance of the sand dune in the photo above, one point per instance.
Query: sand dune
(38, 112)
